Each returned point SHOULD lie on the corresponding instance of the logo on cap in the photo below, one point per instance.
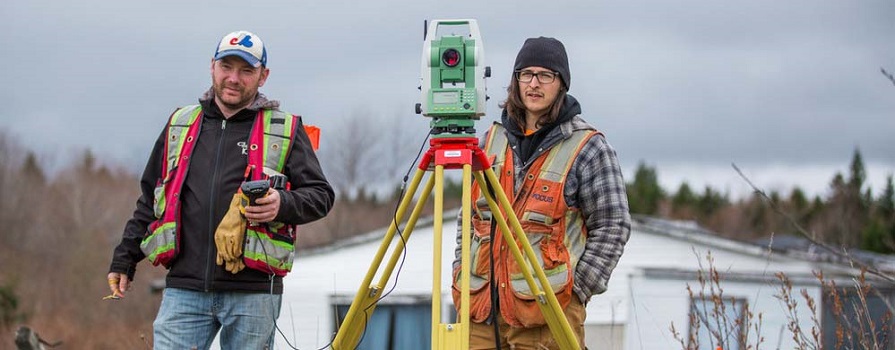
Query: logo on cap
(243, 40)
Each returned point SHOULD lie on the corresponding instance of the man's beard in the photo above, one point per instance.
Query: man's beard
(244, 99)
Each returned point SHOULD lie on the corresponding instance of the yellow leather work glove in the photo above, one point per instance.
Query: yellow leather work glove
(234, 266)
(229, 237)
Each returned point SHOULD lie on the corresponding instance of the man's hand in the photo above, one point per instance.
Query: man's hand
(119, 284)
(266, 209)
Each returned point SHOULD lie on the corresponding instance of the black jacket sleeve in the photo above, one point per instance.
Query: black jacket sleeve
(311, 196)
(127, 254)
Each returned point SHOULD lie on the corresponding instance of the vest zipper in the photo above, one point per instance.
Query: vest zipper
(209, 261)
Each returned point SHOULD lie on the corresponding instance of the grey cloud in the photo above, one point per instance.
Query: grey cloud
(687, 81)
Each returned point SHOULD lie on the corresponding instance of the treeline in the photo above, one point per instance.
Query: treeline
(850, 215)
(57, 232)
(56, 236)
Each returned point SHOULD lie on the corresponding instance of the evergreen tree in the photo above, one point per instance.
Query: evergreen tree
(817, 205)
(683, 204)
(775, 197)
(645, 193)
(798, 200)
(874, 237)
(88, 162)
(857, 173)
(711, 201)
(32, 171)
(879, 235)
(886, 202)
(684, 197)
(838, 183)
(799, 205)
(756, 212)
(856, 203)
(847, 212)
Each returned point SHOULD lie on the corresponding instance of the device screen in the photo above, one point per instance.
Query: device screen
(446, 97)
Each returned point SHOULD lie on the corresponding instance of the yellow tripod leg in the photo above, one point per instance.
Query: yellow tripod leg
(367, 295)
(547, 302)
(451, 336)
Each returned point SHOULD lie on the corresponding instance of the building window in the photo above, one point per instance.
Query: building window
(395, 326)
(847, 320)
(717, 323)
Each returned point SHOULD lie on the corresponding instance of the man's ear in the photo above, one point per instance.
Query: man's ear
(265, 72)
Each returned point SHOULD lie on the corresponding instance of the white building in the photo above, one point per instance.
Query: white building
(647, 292)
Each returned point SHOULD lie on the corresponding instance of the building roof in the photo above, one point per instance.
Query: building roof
(785, 245)
(789, 246)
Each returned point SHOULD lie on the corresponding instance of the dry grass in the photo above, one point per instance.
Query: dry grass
(852, 314)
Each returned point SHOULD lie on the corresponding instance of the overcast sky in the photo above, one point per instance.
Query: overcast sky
(785, 89)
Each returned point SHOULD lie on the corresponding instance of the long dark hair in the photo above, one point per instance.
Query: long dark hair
(516, 108)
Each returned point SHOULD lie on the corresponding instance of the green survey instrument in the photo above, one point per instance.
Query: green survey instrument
(453, 95)
(453, 77)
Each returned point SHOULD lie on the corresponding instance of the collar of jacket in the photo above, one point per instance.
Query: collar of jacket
(261, 102)
(570, 108)
(568, 122)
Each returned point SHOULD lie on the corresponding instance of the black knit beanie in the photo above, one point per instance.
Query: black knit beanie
(545, 52)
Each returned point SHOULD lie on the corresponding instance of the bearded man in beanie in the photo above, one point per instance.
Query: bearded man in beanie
(567, 190)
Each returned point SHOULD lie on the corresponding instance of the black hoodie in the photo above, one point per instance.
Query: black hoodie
(215, 172)
(525, 147)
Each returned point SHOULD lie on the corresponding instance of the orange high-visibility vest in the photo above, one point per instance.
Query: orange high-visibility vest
(269, 247)
(556, 232)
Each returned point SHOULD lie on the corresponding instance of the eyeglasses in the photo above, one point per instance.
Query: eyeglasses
(546, 77)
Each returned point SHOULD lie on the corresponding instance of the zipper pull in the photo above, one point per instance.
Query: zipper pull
(223, 124)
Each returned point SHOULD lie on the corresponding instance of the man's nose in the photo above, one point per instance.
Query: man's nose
(534, 82)
(232, 76)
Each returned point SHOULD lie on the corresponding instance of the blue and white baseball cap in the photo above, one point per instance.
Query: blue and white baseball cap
(244, 44)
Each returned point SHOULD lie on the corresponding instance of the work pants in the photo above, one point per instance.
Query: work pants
(190, 320)
(481, 335)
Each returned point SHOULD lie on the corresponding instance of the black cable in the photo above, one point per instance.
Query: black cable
(271, 276)
(400, 266)
(400, 235)
(495, 298)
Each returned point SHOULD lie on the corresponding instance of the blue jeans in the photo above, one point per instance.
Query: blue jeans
(189, 320)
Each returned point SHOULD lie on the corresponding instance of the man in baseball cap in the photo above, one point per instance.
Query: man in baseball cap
(223, 277)
(233, 90)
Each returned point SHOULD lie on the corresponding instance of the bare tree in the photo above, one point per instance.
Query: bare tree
(406, 136)
(888, 75)
(352, 153)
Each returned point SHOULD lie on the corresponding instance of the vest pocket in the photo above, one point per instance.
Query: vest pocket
(268, 252)
(479, 255)
(160, 243)
(480, 272)
(551, 254)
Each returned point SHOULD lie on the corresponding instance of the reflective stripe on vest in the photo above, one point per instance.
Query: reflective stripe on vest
(547, 221)
(269, 247)
(260, 247)
(279, 132)
(162, 243)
